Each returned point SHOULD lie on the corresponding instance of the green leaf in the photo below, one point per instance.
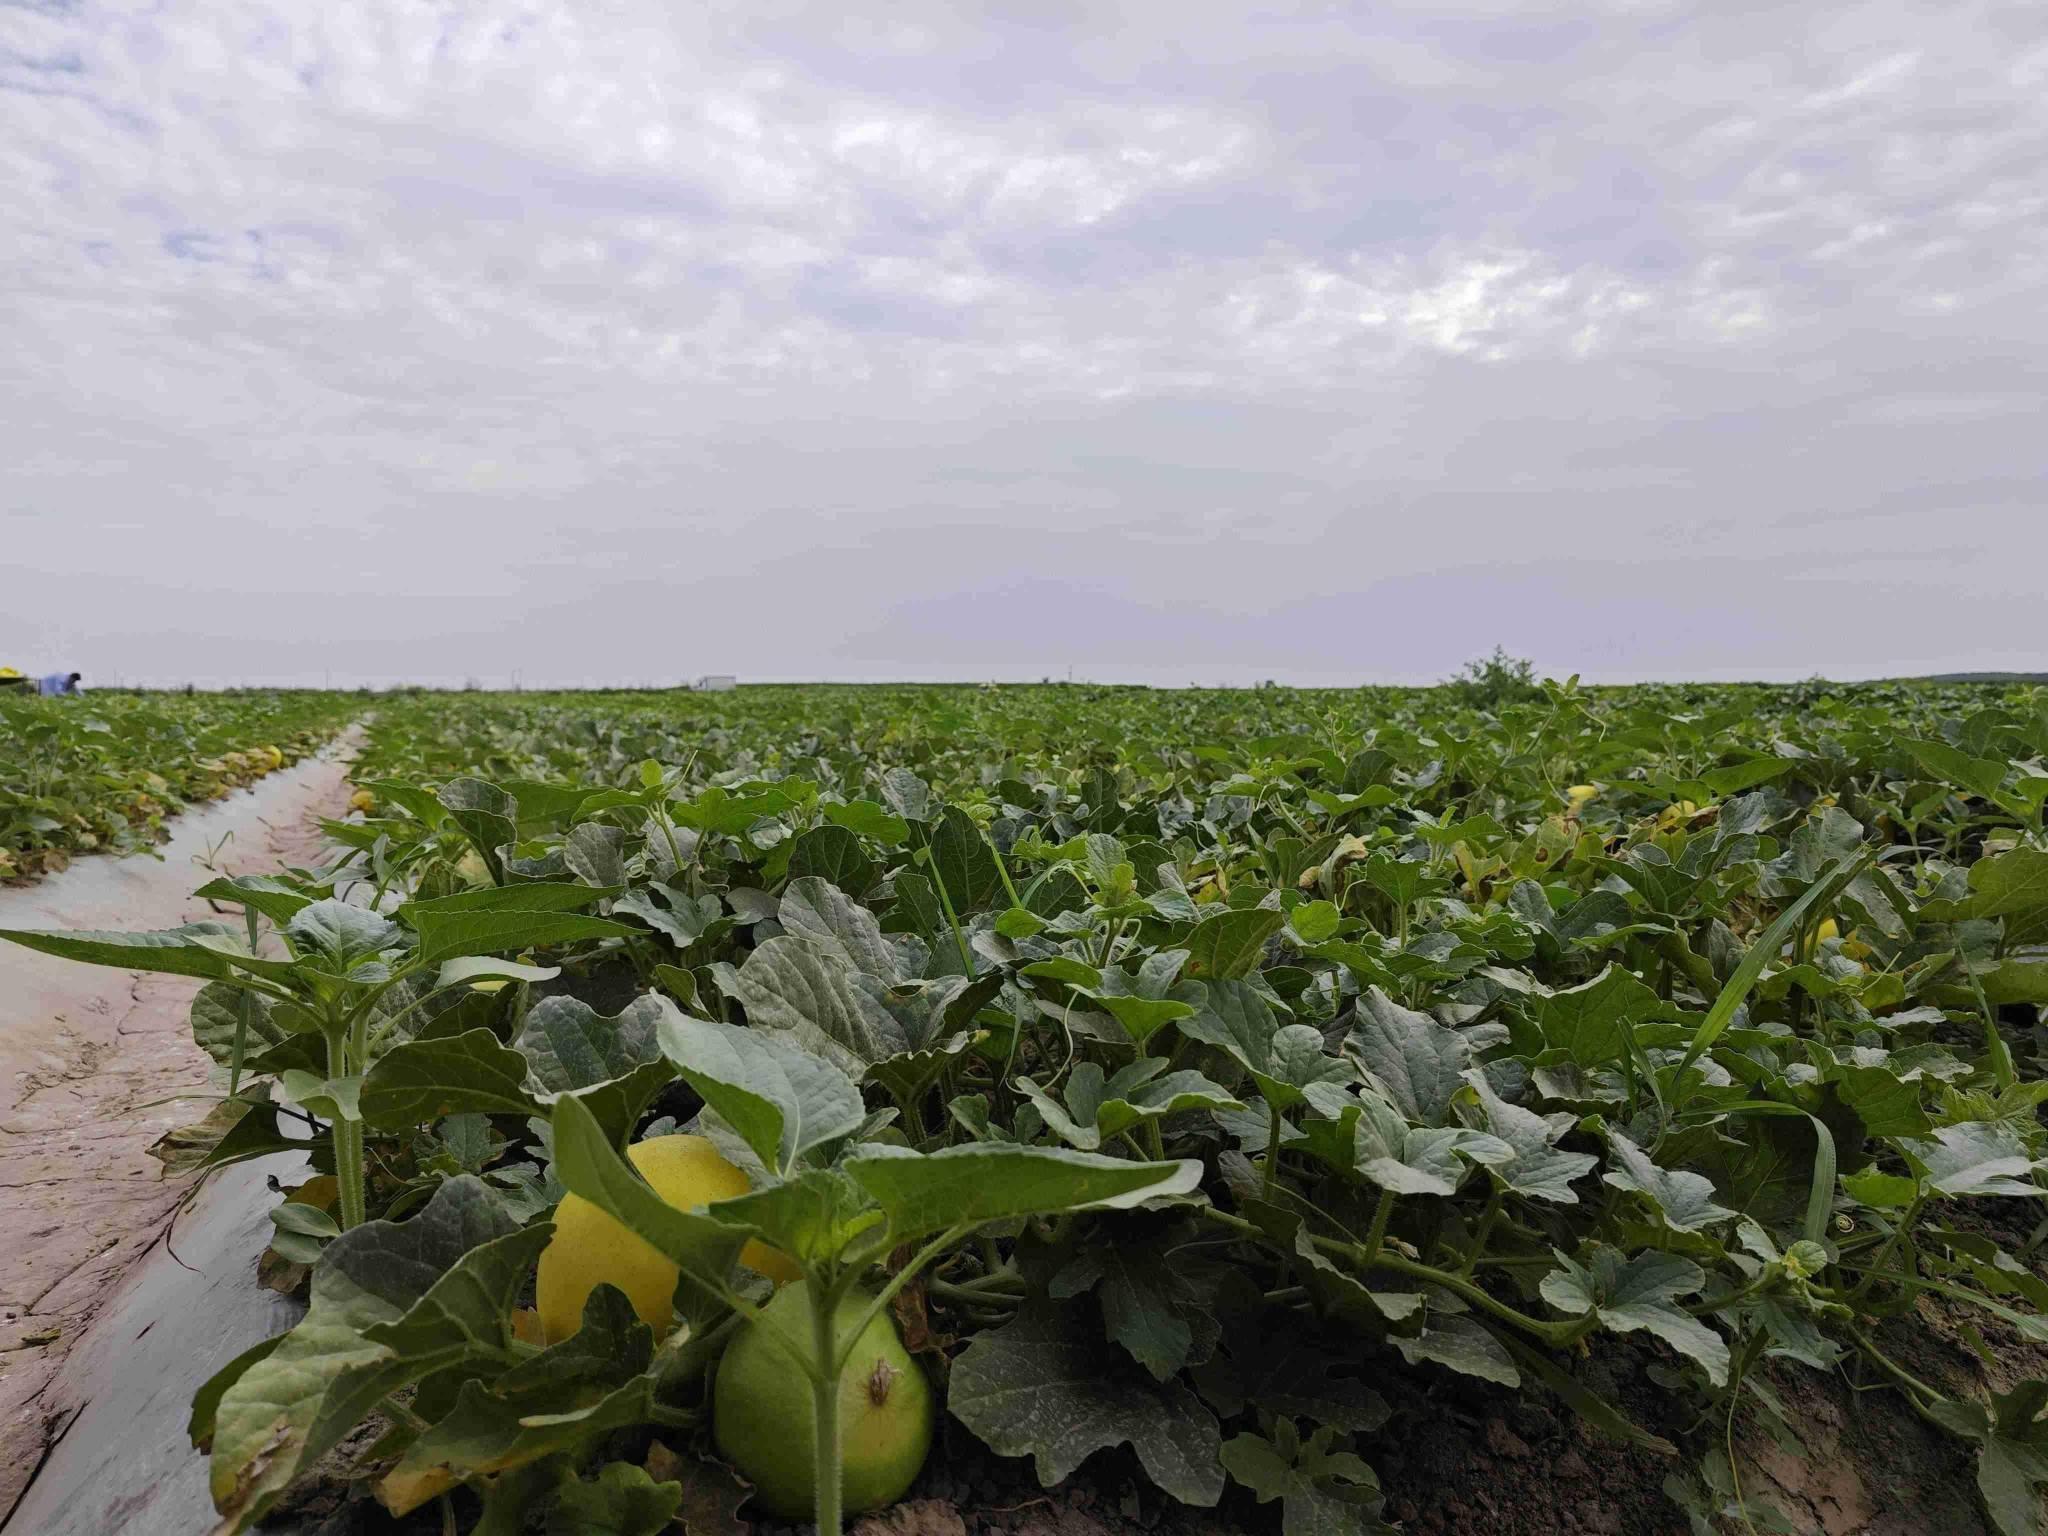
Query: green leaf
(818, 909)
(342, 934)
(1231, 943)
(487, 816)
(1287, 1061)
(1463, 1345)
(1591, 1023)
(1978, 1157)
(419, 1081)
(2010, 886)
(212, 950)
(807, 987)
(1982, 777)
(1315, 921)
(222, 1013)
(969, 1185)
(331, 1098)
(518, 1419)
(870, 821)
(1323, 1492)
(832, 853)
(458, 973)
(622, 1501)
(1098, 1109)
(1882, 1191)
(1417, 1062)
(421, 804)
(276, 899)
(1685, 1201)
(1149, 1305)
(1040, 1386)
(392, 1303)
(1540, 1169)
(1639, 1293)
(447, 935)
(962, 860)
(533, 896)
(1369, 1137)
(612, 1062)
(1765, 950)
(783, 1101)
(819, 1217)
(593, 854)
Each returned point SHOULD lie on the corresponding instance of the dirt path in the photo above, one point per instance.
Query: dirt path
(88, 1059)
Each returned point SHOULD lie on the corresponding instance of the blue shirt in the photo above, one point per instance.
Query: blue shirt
(55, 684)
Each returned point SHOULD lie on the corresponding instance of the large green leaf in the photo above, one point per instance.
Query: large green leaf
(1684, 1200)
(1590, 1023)
(808, 987)
(961, 858)
(2011, 886)
(1040, 1386)
(1286, 1061)
(1231, 943)
(968, 1185)
(1150, 1305)
(783, 1101)
(445, 935)
(1640, 1293)
(419, 1081)
(392, 1303)
(1418, 1063)
(1540, 1169)
(215, 951)
(1099, 1108)
(1978, 1157)
(612, 1062)
(487, 816)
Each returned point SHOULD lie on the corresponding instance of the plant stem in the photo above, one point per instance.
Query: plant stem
(1879, 1259)
(1556, 1334)
(1376, 1237)
(347, 1136)
(1272, 1166)
(1486, 1223)
(825, 1409)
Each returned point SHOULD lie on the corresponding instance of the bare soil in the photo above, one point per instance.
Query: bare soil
(95, 1065)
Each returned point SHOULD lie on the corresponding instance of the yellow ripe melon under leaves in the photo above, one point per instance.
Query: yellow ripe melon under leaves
(1580, 794)
(590, 1249)
(363, 800)
(763, 1419)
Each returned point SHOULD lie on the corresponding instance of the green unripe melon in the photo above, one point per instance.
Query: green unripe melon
(763, 1419)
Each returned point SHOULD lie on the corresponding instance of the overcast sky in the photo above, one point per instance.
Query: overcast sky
(1169, 342)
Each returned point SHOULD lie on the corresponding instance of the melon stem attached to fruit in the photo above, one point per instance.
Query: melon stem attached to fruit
(825, 1406)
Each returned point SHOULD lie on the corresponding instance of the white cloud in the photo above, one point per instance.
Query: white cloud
(805, 320)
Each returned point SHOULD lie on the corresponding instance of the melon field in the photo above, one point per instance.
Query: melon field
(1504, 1107)
(103, 773)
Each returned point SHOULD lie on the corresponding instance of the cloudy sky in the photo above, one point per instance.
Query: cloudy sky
(626, 339)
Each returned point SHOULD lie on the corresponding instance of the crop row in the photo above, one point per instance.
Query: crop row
(1117, 1068)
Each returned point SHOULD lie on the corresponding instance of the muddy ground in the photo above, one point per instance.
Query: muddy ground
(95, 1065)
